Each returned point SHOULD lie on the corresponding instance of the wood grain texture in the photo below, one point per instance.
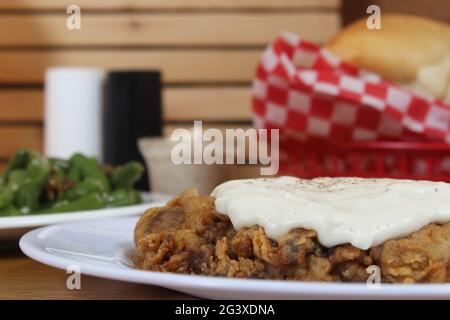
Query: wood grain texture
(13, 137)
(21, 105)
(166, 4)
(177, 66)
(188, 29)
(180, 104)
(23, 278)
(208, 104)
(207, 51)
(434, 9)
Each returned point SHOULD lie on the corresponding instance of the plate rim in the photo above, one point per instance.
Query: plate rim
(36, 220)
(31, 247)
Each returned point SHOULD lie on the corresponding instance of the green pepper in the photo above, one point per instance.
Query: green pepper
(122, 197)
(15, 181)
(85, 187)
(127, 175)
(59, 166)
(16, 178)
(6, 197)
(18, 161)
(74, 174)
(89, 169)
(31, 184)
(89, 202)
(10, 211)
(28, 193)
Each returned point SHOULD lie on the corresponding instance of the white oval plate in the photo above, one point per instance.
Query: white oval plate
(12, 228)
(102, 248)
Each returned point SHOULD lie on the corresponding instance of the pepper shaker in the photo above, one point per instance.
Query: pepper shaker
(133, 110)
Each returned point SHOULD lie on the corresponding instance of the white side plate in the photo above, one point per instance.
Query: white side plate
(12, 228)
(102, 248)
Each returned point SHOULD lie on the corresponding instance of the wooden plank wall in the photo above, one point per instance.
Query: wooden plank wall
(435, 9)
(206, 49)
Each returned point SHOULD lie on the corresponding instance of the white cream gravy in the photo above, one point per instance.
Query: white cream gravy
(362, 212)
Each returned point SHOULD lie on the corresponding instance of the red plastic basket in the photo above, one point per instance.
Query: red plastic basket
(401, 160)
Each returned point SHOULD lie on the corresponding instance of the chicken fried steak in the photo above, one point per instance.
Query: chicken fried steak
(188, 236)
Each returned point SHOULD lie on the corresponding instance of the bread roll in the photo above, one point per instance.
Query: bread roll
(408, 49)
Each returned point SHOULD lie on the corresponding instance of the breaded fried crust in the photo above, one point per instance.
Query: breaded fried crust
(188, 236)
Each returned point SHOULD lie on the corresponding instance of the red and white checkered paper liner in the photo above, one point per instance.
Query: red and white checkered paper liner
(307, 92)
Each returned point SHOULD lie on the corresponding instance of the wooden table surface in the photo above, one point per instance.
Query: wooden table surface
(23, 278)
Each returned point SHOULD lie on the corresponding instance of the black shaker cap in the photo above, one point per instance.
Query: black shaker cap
(133, 109)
